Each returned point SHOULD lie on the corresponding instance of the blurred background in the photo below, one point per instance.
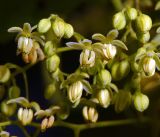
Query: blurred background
(87, 17)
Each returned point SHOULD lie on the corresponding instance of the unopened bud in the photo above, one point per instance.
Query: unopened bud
(104, 98)
(69, 31)
(143, 37)
(49, 92)
(47, 123)
(44, 25)
(90, 114)
(87, 58)
(25, 116)
(52, 63)
(141, 102)
(8, 109)
(49, 48)
(149, 66)
(14, 92)
(143, 23)
(109, 51)
(58, 27)
(4, 74)
(119, 21)
(104, 77)
(75, 91)
(131, 13)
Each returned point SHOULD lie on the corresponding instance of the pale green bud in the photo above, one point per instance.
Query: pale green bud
(49, 48)
(119, 21)
(104, 77)
(143, 23)
(8, 109)
(49, 92)
(52, 63)
(58, 27)
(149, 66)
(90, 114)
(141, 102)
(69, 31)
(143, 37)
(25, 116)
(120, 70)
(131, 13)
(44, 25)
(109, 51)
(75, 91)
(4, 74)
(14, 92)
(104, 98)
(87, 58)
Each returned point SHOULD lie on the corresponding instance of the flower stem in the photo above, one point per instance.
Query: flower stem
(64, 49)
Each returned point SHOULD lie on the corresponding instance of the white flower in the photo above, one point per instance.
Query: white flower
(90, 114)
(109, 51)
(149, 66)
(87, 58)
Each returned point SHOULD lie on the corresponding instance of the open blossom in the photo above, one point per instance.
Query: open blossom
(87, 58)
(109, 51)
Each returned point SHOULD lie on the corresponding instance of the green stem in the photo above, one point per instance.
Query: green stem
(117, 4)
(64, 49)
(137, 4)
(23, 130)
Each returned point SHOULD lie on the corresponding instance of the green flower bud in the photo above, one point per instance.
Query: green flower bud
(4, 74)
(104, 98)
(109, 51)
(69, 31)
(2, 91)
(143, 23)
(143, 37)
(8, 109)
(87, 58)
(149, 66)
(119, 21)
(141, 102)
(90, 114)
(104, 77)
(52, 63)
(25, 116)
(75, 91)
(131, 13)
(49, 48)
(122, 100)
(14, 92)
(120, 70)
(44, 25)
(58, 27)
(49, 92)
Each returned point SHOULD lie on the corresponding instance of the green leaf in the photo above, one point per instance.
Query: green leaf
(21, 101)
(113, 34)
(157, 7)
(157, 60)
(15, 29)
(98, 37)
(119, 44)
(87, 87)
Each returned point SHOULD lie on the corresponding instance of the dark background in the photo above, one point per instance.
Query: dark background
(87, 17)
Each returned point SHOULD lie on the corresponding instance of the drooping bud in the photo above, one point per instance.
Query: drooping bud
(25, 116)
(120, 70)
(47, 123)
(44, 25)
(4, 74)
(75, 91)
(109, 51)
(104, 77)
(131, 13)
(149, 66)
(143, 23)
(90, 114)
(69, 31)
(8, 109)
(52, 63)
(143, 37)
(119, 21)
(14, 92)
(141, 102)
(104, 98)
(58, 27)
(87, 58)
